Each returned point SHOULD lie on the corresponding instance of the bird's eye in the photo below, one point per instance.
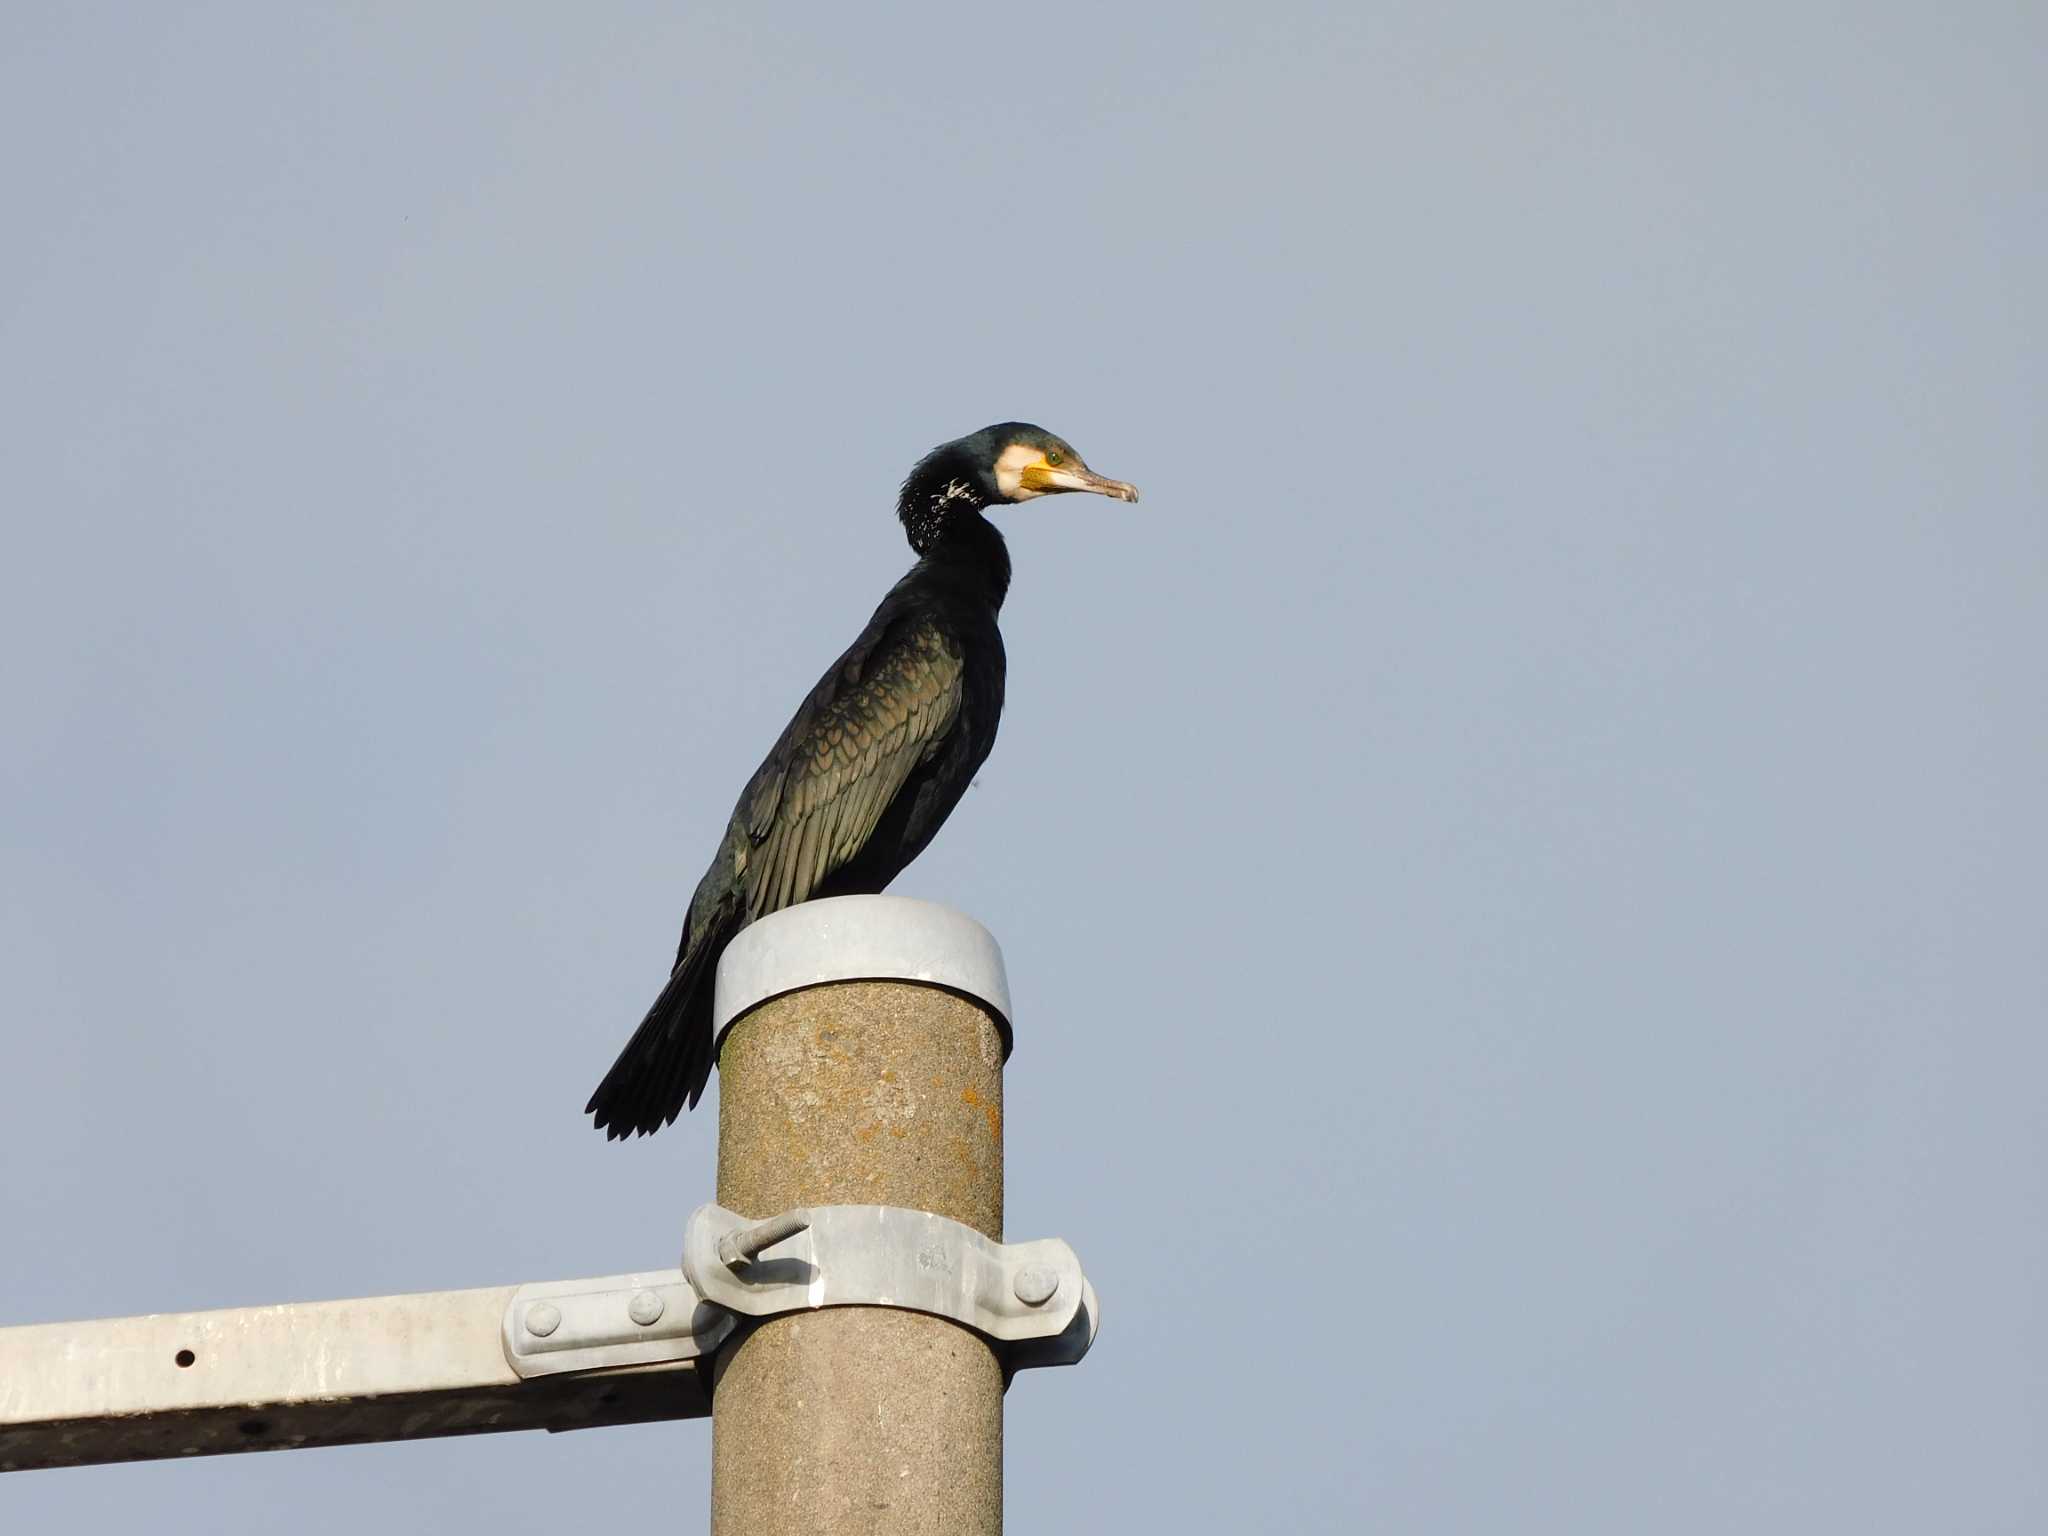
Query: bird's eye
(1055, 459)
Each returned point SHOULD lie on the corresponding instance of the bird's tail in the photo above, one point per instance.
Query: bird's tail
(668, 1061)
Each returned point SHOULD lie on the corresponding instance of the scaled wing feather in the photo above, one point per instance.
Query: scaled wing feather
(846, 762)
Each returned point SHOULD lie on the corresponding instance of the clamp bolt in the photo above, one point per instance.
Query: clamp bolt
(1035, 1285)
(740, 1246)
(543, 1318)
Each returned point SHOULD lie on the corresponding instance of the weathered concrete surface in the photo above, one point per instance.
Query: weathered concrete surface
(857, 1419)
(860, 1419)
(864, 1093)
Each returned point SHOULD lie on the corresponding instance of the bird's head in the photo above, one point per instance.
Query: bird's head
(1011, 461)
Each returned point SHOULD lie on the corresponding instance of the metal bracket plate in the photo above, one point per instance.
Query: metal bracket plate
(586, 1325)
(1031, 1299)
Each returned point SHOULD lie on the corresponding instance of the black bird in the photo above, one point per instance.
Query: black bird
(876, 758)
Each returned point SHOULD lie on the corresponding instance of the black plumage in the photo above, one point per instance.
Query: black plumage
(875, 759)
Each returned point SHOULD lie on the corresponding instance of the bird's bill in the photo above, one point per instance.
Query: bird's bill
(1042, 477)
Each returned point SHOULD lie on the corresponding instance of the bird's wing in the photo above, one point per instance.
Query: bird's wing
(845, 756)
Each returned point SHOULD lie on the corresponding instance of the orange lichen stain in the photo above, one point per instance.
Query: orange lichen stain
(938, 1081)
(865, 1133)
(993, 1115)
(898, 1132)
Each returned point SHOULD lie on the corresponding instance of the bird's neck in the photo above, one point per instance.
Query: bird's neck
(954, 541)
(970, 554)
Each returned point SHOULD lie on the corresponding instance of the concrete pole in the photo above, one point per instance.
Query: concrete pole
(861, 1092)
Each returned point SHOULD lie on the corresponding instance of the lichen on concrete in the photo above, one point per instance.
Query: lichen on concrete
(861, 1419)
(864, 1093)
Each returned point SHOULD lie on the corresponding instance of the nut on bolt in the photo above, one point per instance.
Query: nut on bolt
(1036, 1284)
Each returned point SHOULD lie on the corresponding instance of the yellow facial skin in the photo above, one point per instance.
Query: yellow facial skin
(1023, 472)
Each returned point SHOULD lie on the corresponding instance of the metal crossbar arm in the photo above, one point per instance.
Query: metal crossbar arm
(313, 1373)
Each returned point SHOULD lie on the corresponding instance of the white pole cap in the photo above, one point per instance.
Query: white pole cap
(860, 938)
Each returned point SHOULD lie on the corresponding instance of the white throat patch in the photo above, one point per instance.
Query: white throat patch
(1010, 471)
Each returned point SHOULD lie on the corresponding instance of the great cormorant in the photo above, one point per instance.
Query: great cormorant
(876, 758)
